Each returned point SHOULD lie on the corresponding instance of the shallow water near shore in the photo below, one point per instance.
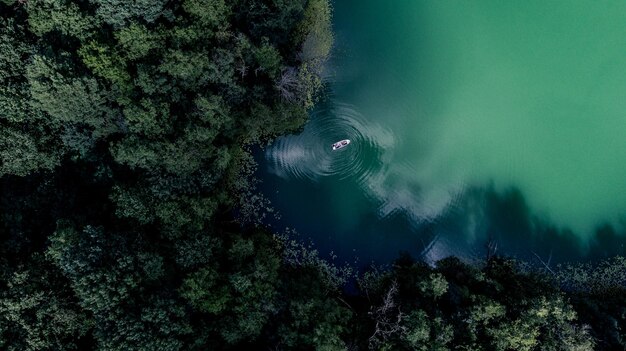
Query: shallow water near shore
(471, 123)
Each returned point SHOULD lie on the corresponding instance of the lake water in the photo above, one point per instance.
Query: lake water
(471, 122)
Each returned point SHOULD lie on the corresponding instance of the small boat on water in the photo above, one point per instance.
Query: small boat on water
(341, 144)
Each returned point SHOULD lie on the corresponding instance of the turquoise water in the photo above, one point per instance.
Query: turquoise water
(471, 122)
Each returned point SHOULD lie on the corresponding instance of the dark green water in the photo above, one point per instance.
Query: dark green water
(470, 121)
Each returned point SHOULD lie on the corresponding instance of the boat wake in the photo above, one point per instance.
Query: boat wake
(308, 155)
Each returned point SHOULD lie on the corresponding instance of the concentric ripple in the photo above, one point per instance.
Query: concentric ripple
(309, 155)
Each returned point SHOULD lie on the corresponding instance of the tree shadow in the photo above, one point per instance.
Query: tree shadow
(487, 221)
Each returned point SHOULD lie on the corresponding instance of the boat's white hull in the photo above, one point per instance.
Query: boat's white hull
(341, 144)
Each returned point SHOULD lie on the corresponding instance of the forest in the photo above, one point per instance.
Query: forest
(129, 218)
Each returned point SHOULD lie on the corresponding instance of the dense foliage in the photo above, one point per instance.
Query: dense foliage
(123, 162)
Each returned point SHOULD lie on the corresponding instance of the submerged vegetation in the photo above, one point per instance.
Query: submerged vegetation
(127, 221)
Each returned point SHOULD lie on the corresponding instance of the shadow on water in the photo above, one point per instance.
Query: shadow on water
(340, 218)
(486, 221)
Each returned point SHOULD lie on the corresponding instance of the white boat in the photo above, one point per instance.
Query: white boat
(341, 144)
